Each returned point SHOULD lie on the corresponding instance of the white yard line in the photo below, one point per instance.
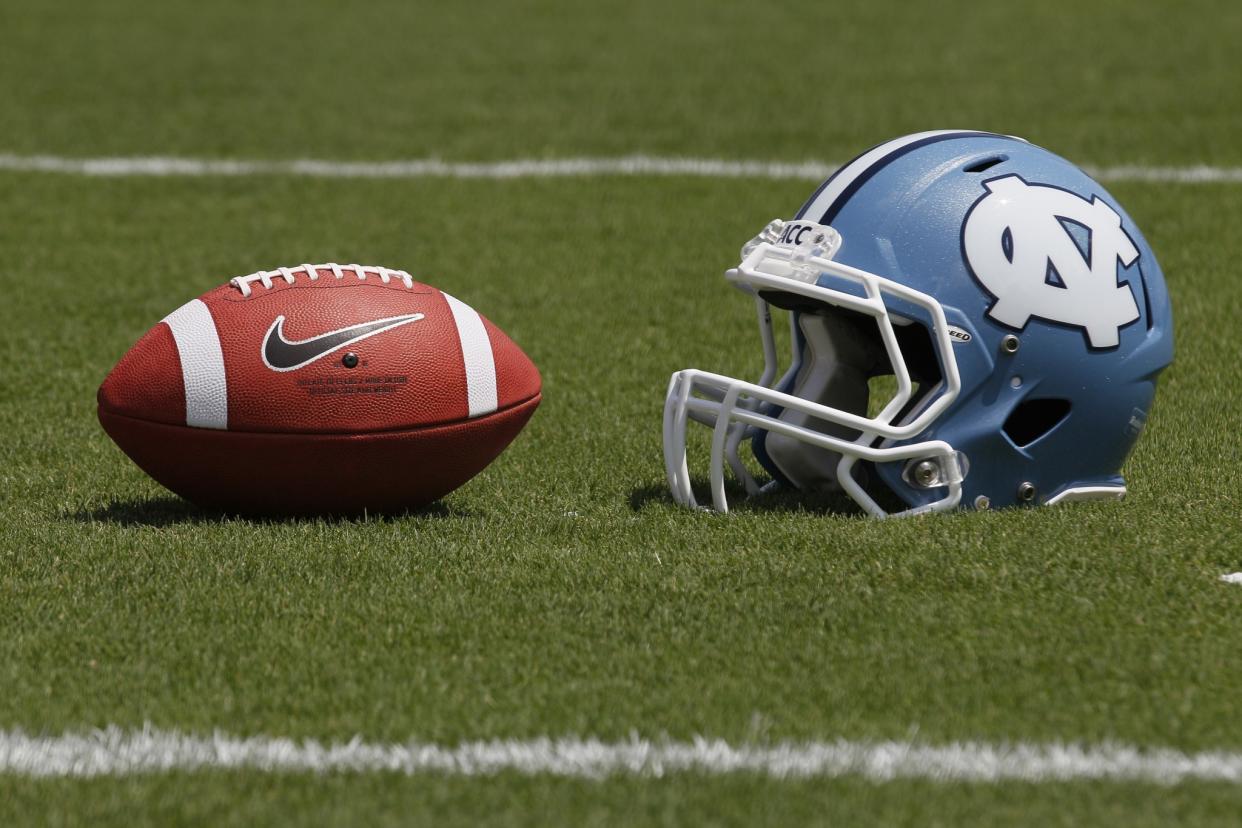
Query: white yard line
(420, 168)
(634, 165)
(117, 752)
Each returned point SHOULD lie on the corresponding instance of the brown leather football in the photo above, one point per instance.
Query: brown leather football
(319, 389)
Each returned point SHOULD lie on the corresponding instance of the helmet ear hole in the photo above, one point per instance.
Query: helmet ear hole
(1032, 419)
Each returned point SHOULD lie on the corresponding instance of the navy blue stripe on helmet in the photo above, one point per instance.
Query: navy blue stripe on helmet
(863, 177)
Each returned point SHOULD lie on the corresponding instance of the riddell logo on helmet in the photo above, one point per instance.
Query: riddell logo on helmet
(1049, 253)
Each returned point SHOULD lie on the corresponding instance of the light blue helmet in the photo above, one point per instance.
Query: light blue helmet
(1016, 304)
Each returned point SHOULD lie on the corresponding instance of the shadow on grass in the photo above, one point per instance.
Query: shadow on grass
(779, 500)
(167, 510)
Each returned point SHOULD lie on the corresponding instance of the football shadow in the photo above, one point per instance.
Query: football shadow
(781, 500)
(169, 510)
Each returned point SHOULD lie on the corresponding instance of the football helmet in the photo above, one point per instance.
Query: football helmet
(1018, 309)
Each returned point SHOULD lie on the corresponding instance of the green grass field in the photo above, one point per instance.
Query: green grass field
(561, 592)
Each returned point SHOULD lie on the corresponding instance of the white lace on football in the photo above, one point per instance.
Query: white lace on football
(265, 277)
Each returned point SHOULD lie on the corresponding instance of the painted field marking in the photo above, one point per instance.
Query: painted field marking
(117, 752)
(632, 165)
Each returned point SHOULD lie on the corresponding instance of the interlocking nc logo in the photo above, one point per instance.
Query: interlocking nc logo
(1019, 246)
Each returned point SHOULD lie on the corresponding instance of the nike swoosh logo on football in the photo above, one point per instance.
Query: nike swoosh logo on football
(280, 354)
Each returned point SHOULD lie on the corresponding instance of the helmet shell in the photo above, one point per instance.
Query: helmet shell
(1012, 241)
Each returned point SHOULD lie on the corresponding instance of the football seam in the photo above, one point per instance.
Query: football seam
(538, 395)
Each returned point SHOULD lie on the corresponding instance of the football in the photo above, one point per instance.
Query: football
(319, 389)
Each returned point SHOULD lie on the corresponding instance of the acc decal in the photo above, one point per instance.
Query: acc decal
(1019, 247)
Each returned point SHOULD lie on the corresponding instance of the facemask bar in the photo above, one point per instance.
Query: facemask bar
(733, 407)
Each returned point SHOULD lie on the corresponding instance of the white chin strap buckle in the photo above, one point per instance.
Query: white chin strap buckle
(934, 472)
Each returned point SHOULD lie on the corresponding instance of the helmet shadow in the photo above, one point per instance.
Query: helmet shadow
(783, 500)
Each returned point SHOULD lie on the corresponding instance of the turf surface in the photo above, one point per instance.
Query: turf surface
(244, 800)
(561, 592)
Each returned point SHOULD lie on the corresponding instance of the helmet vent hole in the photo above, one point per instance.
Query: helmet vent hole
(1033, 419)
(985, 164)
(1146, 300)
